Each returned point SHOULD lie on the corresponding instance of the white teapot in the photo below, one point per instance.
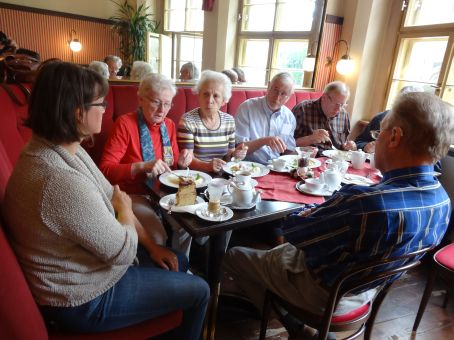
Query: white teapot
(358, 158)
(243, 194)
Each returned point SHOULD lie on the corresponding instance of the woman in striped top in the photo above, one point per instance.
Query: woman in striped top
(206, 135)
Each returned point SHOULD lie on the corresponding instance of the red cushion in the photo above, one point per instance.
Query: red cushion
(445, 256)
(140, 331)
(354, 314)
(19, 315)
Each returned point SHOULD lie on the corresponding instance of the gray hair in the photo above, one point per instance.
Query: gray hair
(140, 69)
(192, 68)
(410, 88)
(216, 77)
(113, 58)
(155, 82)
(427, 123)
(338, 87)
(284, 77)
(99, 67)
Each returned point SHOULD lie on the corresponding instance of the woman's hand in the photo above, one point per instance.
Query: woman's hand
(240, 152)
(217, 164)
(185, 158)
(164, 258)
(122, 205)
(156, 167)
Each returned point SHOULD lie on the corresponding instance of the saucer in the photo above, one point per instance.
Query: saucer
(228, 214)
(301, 187)
(285, 170)
(243, 207)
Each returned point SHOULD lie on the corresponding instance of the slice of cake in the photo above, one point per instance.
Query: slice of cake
(186, 194)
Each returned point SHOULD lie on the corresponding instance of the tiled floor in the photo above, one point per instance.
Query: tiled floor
(394, 320)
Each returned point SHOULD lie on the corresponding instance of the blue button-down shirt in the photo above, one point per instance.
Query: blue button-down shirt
(254, 120)
(408, 210)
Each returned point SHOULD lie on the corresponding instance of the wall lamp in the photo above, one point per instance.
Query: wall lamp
(309, 61)
(74, 43)
(346, 64)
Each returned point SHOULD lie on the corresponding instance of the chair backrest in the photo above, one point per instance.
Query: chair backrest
(370, 274)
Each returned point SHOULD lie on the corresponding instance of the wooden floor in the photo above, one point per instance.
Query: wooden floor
(394, 320)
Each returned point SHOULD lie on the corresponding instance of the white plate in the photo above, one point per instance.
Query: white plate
(343, 155)
(292, 161)
(356, 179)
(301, 187)
(164, 201)
(169, 179)
(227, 216)
(256, 169)
(242, 207)
(286, 169)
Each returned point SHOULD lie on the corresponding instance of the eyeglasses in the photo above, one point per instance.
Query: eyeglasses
(103, 104)
(156, 103)
(374, 134)
(339, 105)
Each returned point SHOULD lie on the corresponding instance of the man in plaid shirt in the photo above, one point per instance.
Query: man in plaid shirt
(324, 122)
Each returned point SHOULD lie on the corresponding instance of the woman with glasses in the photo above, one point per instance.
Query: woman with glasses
(143, 143)
(206, 135)
(324, 122)
(75, 235)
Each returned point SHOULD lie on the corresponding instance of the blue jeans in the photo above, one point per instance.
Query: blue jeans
(143, 293)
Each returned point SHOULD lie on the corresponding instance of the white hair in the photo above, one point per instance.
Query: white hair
(155, 82)
(140, 69)
(192, 68)
(99, 67)
(338, 87)
(216, 77)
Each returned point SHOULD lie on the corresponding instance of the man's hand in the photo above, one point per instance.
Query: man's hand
(240, 152)
(185, 158)
(320, 136)
(164, 258)
(156, 167)
(216, 164)
(370, 147)
(276, 143)
(350, 145)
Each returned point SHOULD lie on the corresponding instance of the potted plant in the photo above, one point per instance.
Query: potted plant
(132, 26)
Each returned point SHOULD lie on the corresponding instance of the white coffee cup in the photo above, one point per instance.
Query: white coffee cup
(314, 184)
(279, 164)
(243, 177)
(358, 158)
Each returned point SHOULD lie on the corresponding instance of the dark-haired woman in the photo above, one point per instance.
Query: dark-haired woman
(75, 235)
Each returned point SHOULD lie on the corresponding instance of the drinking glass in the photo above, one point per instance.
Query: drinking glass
(215, 190)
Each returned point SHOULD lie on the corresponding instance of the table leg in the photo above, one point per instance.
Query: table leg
(218, 243)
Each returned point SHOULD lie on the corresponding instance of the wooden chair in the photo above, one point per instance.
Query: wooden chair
(361, 319)
(442, 266)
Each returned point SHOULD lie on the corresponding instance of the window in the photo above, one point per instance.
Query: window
(274, 36)
(184, 19)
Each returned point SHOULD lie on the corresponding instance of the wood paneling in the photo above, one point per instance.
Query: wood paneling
(49, 35)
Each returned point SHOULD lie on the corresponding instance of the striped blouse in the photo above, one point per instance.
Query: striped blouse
(206, 143)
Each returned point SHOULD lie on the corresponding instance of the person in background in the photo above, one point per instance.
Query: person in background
(232, 75)
(324, 122)
(189, 71)
(7, 45)
(240, 73)
(75, 235)
(100, 67)
(407, 211)
(114, 63)
(264, 124)
(206, 135)
(365, 141)
(141, 143)
(140, 69)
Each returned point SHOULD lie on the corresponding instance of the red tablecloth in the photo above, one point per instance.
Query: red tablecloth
(281, 186)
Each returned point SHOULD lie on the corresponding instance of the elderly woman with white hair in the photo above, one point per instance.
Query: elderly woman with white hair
(100, 67)
(143, 142)
(140, 69)
(206, 135)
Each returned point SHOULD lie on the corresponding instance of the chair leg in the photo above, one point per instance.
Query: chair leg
(375, 308)
(425, 297)
(445, 300)
(265, 316)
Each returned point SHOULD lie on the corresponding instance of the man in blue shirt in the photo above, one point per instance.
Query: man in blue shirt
(406, 211)
(264, 124)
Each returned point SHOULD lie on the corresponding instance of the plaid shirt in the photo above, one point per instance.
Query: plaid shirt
(310, 117)
(408, 210)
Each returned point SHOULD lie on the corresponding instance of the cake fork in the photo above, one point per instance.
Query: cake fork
(171, 204)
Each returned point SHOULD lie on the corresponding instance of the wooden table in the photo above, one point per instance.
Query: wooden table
(265, 211)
